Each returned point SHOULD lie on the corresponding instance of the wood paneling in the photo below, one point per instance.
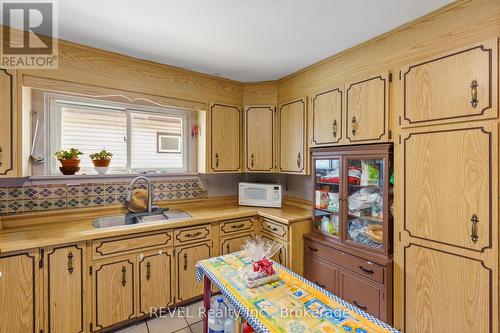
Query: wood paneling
(65, 289)
(327, 121)
(156, 280)
(453, 183)
(186, 259)
(445, 292)
(457, 86)
(292, 136)
(113, 291)
(19, 293)
(366, 109)
(260, 142)
(225, 138)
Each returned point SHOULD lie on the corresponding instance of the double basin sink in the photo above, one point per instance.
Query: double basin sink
(157, 215)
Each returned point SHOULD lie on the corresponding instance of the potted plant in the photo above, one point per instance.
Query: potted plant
(70, 162)
(101, 161)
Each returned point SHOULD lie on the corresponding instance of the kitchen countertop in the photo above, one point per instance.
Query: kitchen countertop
(69, 226)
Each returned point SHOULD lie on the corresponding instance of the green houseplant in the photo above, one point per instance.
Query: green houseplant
(101, 159)
(70, 162)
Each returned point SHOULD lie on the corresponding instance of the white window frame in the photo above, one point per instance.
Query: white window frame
(55, 102)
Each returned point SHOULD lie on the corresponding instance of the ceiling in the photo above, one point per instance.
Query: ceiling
(253, 40)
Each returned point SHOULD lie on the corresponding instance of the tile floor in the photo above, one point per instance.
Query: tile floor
(185, 319)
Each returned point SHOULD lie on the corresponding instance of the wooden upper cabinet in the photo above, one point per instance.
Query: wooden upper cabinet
(19, 296)
(327, 117)
(156, 285)
(367, 113)
(113, 291)
(451, 185)
(64, 285)
(225, 136)
(259, 138)
(457, 86)
(293, 133)
(7, 153)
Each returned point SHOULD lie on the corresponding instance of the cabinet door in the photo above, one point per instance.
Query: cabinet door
(367, 110)
(19, 299)
(363, 294)
(321, 273)
(225, 123)
(186, 259)
(281, 255)
(6, 124)
(113, 291)
(445, 292)
(450, 184)
(155, 280)
(64, 289)
(233, 243)
(327, 117)
(292, 122)
(457, 86)
(259, 138)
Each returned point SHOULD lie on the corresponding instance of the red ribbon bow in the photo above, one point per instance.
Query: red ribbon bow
(263, 265)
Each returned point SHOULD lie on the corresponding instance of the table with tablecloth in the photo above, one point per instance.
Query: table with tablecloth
(289, 304)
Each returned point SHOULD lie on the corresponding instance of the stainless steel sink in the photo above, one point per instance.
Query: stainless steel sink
(137, 218)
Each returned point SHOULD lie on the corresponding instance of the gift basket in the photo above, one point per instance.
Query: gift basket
(261, 271)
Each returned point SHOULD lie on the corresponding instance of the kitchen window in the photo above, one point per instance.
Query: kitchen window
(141, 139)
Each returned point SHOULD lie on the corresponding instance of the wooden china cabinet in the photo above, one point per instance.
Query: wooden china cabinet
(349, 251)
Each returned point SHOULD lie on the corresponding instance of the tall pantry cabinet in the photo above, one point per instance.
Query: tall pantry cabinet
(446, 168)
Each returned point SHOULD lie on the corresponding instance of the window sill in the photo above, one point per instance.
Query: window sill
(111, 176)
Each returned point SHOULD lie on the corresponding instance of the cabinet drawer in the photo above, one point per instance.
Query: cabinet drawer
(361, 293)
(233, 226)
(275, 229)
(192, 234)
(358, 265)
(118, 246)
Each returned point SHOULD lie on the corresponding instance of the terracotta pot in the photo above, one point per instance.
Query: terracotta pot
(101, 163)
(70, 164)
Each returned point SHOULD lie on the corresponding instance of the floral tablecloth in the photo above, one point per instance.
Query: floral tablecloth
(290, 304)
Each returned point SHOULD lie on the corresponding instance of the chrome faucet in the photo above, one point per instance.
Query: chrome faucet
(149, 188)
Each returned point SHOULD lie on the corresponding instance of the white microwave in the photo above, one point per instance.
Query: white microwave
(262, 195)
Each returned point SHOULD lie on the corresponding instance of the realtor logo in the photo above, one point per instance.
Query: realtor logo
(29, 35)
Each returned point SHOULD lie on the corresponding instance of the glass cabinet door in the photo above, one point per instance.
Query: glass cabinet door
(327, 188)
(365, 202)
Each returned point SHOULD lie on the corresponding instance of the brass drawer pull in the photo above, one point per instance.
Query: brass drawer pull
(335, 128)
(252, 156)
(124, 276)
(367, 271)
(361, 306)
(313, 249)
(148, 271)
(473, 92)
(216, 160)
(272, 229)
(319, 284)
(474, 221)
(299, 160)
(185, 261)
(355, 125)
(196, 234)
(70, 262)
(237, 226)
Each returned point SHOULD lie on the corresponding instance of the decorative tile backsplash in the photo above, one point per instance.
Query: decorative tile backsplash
(56, 196)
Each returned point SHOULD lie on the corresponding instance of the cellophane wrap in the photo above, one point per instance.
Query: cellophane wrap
(259, 251)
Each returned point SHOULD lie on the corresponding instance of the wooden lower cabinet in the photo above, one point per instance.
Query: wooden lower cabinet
(156, 281)
(280, 256)
(362, 293)
(19, 292)
(322, 273)
(233, 243)
(186, 258)
(64, 289)
(113, 291)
